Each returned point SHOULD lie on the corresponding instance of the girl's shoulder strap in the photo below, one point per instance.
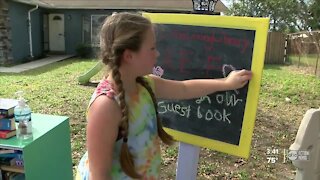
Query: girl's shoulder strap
(104, 88)
(150, 81)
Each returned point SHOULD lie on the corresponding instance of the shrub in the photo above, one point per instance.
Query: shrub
(84, 50)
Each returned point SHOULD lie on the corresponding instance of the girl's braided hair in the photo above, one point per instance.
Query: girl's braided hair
(119, 32)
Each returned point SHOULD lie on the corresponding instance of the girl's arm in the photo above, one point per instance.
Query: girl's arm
(169, 89)
(103, 122)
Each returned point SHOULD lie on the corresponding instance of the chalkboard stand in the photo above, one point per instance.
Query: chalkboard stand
(187, 161)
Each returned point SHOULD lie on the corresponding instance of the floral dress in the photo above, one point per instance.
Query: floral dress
(143, 140)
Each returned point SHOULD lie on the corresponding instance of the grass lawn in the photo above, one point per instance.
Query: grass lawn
(53, 89)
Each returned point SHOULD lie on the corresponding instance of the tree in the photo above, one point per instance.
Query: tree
(314, 11)
(285, 15)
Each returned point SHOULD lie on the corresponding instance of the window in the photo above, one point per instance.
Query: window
(91, 26)
(57, 18)
(96, 23)
(86, 30)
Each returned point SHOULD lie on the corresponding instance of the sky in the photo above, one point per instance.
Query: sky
(226, 2)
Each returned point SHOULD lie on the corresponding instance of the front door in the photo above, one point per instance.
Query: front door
(56, 33)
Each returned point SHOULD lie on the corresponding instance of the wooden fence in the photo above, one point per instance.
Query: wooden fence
(304, 43)
(303, 50)
(275, 48)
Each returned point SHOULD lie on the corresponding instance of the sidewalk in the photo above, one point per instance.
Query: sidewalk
(34, 64)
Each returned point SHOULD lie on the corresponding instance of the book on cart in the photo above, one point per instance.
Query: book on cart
(7, 124)
(7, 107)
(5, 134)
(7, 151)
(8, 175)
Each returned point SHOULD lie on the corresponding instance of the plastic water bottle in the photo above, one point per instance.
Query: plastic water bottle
(22, 115)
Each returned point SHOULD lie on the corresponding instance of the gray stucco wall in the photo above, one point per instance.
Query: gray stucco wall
(18, 14)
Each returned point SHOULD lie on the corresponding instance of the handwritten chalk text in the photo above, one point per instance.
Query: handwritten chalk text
(174, 108)
(202, 111)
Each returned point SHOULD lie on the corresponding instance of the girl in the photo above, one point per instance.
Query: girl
(124, 128)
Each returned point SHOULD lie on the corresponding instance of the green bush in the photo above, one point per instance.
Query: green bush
(84, 50)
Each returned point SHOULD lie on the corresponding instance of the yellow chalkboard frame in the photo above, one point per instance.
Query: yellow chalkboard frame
(260, 26)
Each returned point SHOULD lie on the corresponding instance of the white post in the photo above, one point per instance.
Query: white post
(187, 161)
(305, 151)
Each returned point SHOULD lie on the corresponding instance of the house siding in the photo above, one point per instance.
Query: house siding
(18, 14)
(73, 28)
(73, 34)
(73, 22)
(73, 25)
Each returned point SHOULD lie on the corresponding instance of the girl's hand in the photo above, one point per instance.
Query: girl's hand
(237, 79)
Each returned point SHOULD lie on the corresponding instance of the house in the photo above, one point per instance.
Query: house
(30, 29)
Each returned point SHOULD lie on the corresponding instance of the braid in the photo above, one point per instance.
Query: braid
(126, 158)
(165, 137)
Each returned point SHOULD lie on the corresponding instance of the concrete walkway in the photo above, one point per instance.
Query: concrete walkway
(34, 64)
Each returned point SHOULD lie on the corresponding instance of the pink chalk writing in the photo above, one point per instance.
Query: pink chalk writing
(213, 38)
(168, 59)
(212, 63)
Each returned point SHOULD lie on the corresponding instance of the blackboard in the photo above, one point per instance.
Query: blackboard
(190, 50)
